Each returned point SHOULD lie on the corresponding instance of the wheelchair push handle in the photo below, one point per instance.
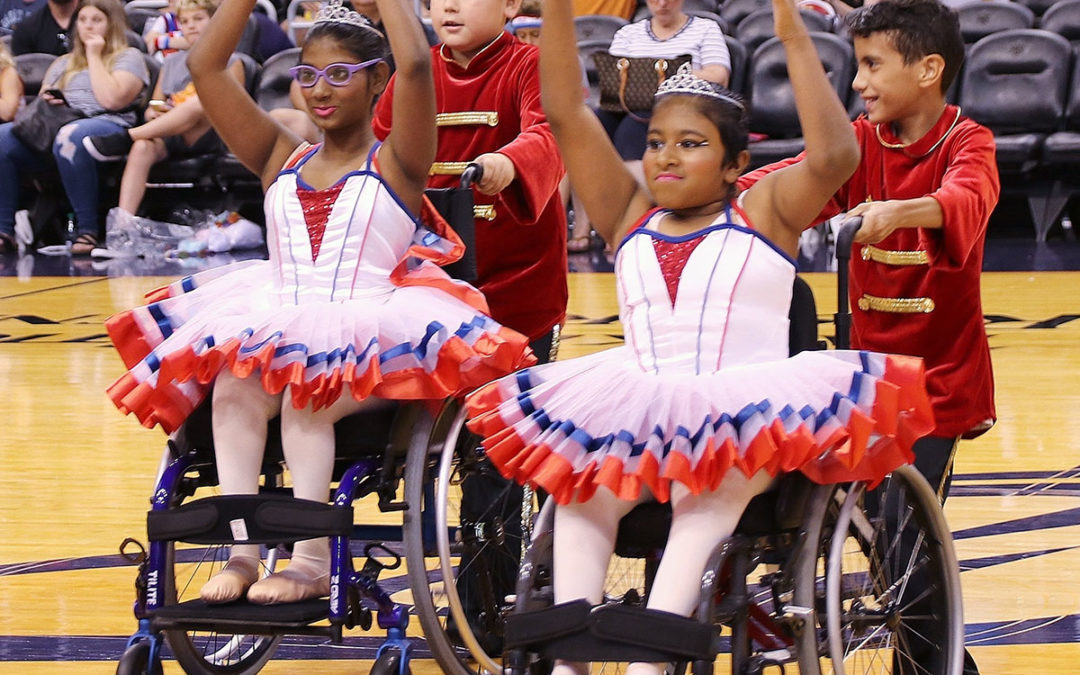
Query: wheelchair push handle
(472, 174)
(845, 240)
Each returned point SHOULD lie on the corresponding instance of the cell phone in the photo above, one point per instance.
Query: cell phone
(159, 105)
(57, 94)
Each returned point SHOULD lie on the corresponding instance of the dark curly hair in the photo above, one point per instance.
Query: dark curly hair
(363, 43)
(916, 28)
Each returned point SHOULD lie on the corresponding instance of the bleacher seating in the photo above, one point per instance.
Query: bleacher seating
(757, 27)
(1016, 83)
(979, 18)
(1061, 156)
(1063, 18)
(31, 69)
(735, 11)
(772, 110)
(1038, 7)
(738, 54)
(138, 17)
(597, 27)
(273, 88)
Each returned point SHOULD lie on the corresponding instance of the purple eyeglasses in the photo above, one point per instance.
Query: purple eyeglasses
(336, 74)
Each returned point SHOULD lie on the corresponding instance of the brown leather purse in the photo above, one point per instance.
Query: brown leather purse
(628, 84)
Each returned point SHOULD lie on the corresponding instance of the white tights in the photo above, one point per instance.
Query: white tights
(585, 540)
(241, 410)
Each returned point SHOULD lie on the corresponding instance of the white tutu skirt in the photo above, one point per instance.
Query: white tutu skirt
(411, 340)
(572, 426)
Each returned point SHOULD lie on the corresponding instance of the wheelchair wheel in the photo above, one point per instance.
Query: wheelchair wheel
(452, 560)
(136, 661)
(874, 546)
(211, 652)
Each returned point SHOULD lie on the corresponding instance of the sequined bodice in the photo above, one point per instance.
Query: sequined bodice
(365, 231)
(731, 305)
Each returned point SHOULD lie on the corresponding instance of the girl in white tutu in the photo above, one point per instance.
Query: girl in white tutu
(702, 406)
(349, 306)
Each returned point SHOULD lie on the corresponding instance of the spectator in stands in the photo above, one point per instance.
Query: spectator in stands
(163, 35)
(667, 33)
(46, 30)
(176, 125)
(102, 77)
(14, 11)
(624, 9)
(487, 93)
(11, 87)
(925, 189)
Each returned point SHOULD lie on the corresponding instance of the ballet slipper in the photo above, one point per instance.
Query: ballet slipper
(231, 582)
(289, 586)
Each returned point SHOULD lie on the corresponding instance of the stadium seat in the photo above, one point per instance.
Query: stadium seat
(1060, 157)
(1015, 83)
(31, 69)
(273, 88)
(597, 27)
(735, 11)
(138, 17)
(979, 18)
(772, 112)
(757, 27)
(1063, 18)
(737, 52)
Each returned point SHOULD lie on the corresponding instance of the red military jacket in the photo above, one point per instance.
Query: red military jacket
(493, 105)
(917, 291)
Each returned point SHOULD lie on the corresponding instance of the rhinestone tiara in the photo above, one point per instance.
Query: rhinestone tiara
(335, 12)
(685, 82)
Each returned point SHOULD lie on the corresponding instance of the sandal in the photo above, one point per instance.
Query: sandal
(7, 244)
(84, 244)
(579, 244)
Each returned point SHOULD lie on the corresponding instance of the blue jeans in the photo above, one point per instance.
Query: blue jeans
(78, 170)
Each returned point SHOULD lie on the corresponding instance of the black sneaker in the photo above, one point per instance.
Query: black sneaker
(108, 148)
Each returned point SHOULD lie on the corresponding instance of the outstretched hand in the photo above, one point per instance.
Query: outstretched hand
(498, 173)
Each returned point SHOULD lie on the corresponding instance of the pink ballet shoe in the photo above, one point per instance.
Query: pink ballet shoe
(289, 586)
(231, 582)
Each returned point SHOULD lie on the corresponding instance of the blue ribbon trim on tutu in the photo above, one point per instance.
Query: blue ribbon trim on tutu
(591, 444)
(162, 320)
(188, 284)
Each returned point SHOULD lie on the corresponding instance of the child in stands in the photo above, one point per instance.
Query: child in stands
(176, 125)
(702, 407)
(925, 189)
(349, 307)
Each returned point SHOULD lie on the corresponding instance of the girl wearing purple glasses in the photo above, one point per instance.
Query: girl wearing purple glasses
(349, 307)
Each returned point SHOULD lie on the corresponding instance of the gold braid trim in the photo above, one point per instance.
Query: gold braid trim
(895, 257)
(896, 305)
(484, 211)
(457, 119)
(447, 168)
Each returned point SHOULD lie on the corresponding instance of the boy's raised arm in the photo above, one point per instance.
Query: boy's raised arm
(597, 173)
(251, 134)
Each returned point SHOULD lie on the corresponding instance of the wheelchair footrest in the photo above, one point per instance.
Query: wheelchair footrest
(577, 632)
(241, 613)
(254, 519)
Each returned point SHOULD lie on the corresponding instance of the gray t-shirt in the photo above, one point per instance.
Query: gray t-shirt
(80, 95)
(175, 75)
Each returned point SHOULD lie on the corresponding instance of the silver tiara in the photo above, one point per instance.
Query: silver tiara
(685, 82)
(335, 12)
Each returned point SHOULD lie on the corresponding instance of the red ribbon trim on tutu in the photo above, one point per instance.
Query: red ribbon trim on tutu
(870, 445)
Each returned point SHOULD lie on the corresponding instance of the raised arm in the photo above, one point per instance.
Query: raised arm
(251, 134)
(409, 149)
(793, 196)
(610, 194)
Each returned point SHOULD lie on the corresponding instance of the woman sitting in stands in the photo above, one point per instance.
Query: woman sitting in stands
(102, 77)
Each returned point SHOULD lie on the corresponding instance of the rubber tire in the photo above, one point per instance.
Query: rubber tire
(389, 663)
(136, 661)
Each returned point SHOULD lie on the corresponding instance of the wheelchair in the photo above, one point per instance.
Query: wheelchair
(815, 577)
(387, 451)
